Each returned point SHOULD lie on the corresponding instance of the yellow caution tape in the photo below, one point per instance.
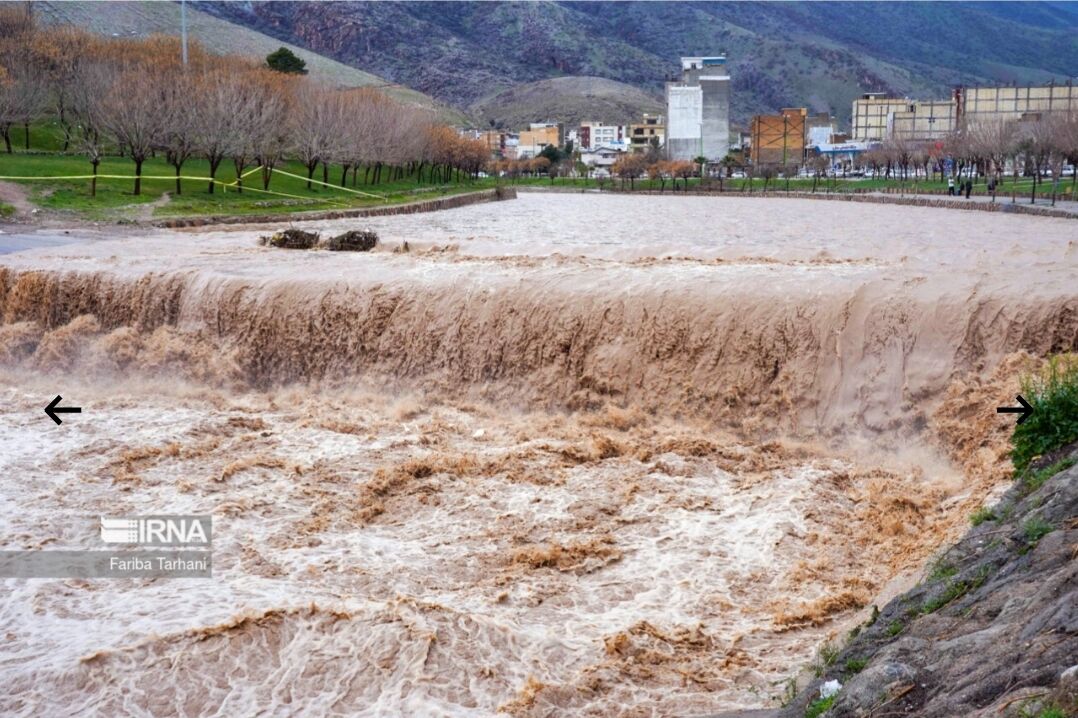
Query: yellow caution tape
(224, 185)
(326, 184)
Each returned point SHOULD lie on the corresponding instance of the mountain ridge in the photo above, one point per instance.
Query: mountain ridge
(822, 55)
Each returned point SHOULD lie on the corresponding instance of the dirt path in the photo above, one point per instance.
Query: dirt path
(144, 212)
(17, 196)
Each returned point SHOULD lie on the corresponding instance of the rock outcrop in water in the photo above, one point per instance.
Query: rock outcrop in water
(291, 239)
(356, 240)
(992, 630)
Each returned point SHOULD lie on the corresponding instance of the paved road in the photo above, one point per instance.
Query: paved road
(1064, 205)
(22, 239)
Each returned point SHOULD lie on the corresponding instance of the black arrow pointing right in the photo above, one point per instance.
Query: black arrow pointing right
(52, 409)
(1025, 410)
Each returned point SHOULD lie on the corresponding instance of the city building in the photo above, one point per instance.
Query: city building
(602, 158)
(779, 139)
(922, 121)
(819, 128)
(977, 104)
(698, 110)
(871, 115)
(597, 134)
(877, 117)
(650, 132)
(510, 145)
(493, 139)
(536, 137)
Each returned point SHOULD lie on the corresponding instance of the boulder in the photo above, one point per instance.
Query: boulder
(362, 240)
(291, 239)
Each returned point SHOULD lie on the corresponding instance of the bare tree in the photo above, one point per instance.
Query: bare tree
(181, 104)
(134, 115)
(90, 85)
(218, 117)
(629, 167)
(996, 141)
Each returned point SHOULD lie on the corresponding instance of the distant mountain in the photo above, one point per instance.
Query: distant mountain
(781, 54)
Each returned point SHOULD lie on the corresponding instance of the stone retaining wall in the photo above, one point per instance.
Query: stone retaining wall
(1002, 204)
(427, 205)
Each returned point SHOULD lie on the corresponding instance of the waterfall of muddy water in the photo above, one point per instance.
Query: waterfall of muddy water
(569, 455)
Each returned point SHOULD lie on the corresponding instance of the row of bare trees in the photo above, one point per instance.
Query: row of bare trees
(986, 149)
(137, 98)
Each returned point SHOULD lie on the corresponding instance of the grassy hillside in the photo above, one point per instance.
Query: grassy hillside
(569, 99)
(138, 19)
(781, 54)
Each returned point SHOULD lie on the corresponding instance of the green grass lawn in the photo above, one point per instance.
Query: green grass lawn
(115, 200)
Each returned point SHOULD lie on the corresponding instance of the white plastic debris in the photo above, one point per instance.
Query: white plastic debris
(479, 433)
(830, 688)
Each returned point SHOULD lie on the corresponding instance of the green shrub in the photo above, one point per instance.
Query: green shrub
(894, 627)
(856, 665)
(981, 515)
(942, 569)
(1035, 529)
(1052, 711)
(955, 589)
(819, 707)
(1053, 394)
(1035, 480)
(825, 658)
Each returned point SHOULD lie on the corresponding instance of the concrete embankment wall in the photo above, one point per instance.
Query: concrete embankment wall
(916, 200)
(427, 205)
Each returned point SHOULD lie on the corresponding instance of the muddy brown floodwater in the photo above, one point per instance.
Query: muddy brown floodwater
(566, 455)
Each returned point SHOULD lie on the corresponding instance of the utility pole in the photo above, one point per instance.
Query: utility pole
(183, 30)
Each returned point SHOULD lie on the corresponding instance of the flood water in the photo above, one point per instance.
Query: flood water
(566, 455)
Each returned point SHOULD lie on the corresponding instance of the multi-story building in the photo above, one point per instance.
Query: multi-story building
(651, 132)
(921, 121)
(698, 110)
(877, 117)
(820, 127)
(779, 139)
(872, 115)
(493, 139)
(536, 137)
(976, 104)
(597, 134)
(601, 158)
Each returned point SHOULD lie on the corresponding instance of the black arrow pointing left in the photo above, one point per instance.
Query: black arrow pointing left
(52, 409)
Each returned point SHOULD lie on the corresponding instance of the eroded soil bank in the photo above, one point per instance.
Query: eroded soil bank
(589, 455)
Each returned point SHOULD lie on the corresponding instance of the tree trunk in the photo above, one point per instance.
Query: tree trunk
(344, 175)
(325, 174)
(7, 137)
(26, 137)
(138, 177)
(240, 166)
(310, 175)
(214, 163)
(93, 180)
(178, 166)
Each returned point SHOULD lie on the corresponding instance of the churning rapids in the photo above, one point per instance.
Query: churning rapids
(566, 455)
